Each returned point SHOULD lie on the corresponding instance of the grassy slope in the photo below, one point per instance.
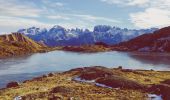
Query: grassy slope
(17, 44)
(40, 88)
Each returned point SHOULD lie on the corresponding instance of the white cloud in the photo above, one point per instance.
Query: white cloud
(151, 17)
(137, 2)
(55, 17)
(92, 18)
(13, 23)
(53, 3)
(156, 13)
(12, 8)
(127, 2)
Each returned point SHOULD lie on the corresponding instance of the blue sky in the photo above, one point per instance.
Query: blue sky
(16, 14)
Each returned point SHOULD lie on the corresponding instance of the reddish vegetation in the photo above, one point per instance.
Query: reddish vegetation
(92, 83)
(159, 41)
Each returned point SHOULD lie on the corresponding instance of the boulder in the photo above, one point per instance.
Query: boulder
(115, 81)
(93, 73)
(50, 74)
(53, 97)
(12, 84)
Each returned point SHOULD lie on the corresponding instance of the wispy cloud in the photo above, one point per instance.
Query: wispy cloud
(151, 17)
(55, 17)
(127, 2)
(156, 13)
(53, 3)
(13, 8)
(95, 18)
(15, 22)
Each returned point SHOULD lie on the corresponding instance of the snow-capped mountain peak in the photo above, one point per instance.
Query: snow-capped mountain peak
(59, 35)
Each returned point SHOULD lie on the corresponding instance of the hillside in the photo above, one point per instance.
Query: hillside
(18, 44)
(93, 83)
(158, 41)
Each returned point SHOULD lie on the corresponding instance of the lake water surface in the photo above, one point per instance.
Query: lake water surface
(27, 67)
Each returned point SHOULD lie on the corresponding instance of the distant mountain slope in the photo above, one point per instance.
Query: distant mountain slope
(159, 41)
(59, 36)
(18, 44)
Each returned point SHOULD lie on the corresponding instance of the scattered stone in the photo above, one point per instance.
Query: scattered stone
(50, 74)
(95, 72)
(44, 76)
(26, 81)
(61, 89)
(120, 67)
(152, 70)
(12, 84)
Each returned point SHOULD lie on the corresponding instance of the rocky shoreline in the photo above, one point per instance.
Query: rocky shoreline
(94, 82)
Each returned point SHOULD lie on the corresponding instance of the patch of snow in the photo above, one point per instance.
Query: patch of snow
(102, 85)
(18, 98)
(154, 97)
(83, 80)
(91, 81)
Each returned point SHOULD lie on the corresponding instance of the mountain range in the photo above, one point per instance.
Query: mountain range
(102, 38)
(60, 36)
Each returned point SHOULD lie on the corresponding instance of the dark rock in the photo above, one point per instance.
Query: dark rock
(92, 73)
(120, 67)
(127, 70)
(61, 89)
(152, 70)
(12, 84)
(44, 76)
(161, 89)
(50, 74)
(26, 81)
(76, 69)
(115, 81)
(166, 81)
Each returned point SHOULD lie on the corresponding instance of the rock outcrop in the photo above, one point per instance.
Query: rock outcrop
(18, 44)
(12, 84)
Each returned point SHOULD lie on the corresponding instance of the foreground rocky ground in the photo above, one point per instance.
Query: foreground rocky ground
(92, 83)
